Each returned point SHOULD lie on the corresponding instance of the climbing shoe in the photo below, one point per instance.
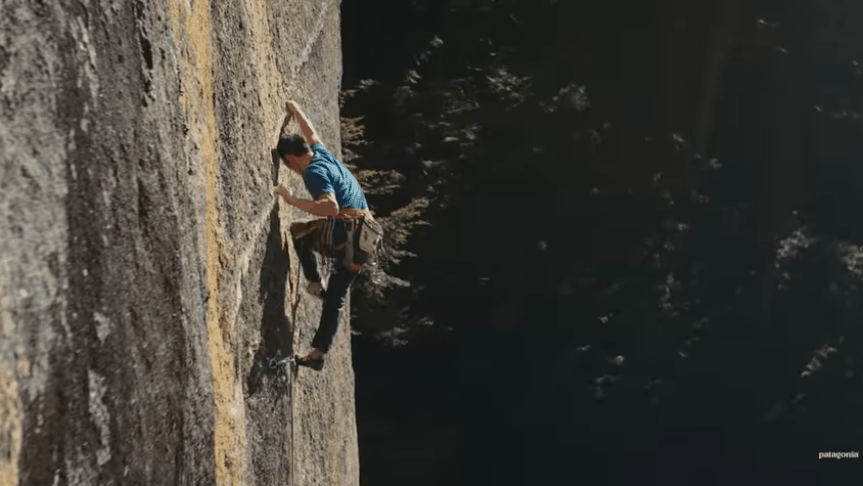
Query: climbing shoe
(316, 289)
(311, 361)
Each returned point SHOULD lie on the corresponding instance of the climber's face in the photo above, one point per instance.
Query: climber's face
(297, 163)
(293, 163)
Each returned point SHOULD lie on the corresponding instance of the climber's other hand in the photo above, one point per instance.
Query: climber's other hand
(281, 191)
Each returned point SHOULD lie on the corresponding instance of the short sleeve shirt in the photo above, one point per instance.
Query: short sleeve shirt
(326, 174)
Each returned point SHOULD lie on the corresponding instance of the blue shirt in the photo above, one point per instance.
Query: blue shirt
(326, 174)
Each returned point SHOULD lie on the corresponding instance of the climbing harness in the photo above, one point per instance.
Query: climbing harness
(363, 234)
(371, 235)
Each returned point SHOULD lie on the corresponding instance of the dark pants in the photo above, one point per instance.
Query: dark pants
(341, 279)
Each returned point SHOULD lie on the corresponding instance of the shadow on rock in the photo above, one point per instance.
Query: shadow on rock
(270, 368)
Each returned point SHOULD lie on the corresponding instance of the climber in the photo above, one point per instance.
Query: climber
(346, 230)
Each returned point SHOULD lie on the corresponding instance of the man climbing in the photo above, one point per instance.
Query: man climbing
(346, 231)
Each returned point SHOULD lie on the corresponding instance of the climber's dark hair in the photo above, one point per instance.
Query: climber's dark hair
(292, 144)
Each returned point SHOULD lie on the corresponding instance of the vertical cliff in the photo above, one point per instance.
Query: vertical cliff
(147, 287)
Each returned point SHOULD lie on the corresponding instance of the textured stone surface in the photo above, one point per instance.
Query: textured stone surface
(147, 287)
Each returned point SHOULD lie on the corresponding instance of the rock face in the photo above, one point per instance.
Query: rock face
(147, 286)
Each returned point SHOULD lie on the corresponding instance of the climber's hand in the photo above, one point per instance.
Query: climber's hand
(281, 191)
(288, 118)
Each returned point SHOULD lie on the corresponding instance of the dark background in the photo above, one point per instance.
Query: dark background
(640, 258)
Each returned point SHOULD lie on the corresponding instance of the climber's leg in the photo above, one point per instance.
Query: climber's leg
(339, 286)
(341, 280)
(307, 233)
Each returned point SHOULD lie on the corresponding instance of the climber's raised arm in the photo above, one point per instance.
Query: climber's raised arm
(306, 127)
